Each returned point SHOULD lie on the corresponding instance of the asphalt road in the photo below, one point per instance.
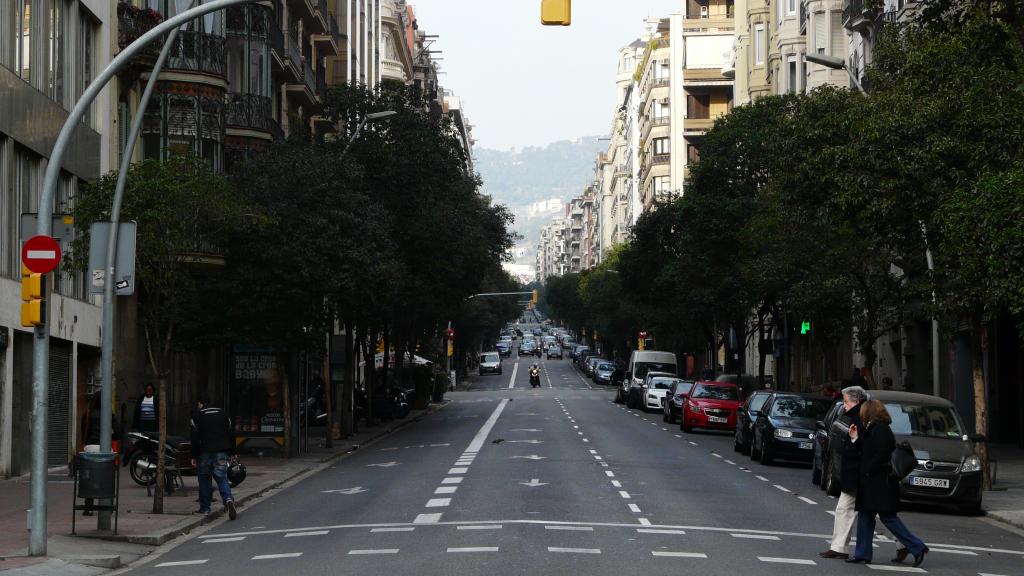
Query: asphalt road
(559, 480)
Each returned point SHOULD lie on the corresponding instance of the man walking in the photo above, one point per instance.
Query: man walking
(849, 477)
(213, 439)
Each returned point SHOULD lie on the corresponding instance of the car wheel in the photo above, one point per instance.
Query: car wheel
(815, 473)
(736, 446)
(682, 423)
(765, 453)
(754, 453)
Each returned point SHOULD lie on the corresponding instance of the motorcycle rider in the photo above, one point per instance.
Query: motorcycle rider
(534, 375)
(213, 439)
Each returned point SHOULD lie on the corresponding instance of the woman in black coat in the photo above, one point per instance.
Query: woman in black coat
(878, 490)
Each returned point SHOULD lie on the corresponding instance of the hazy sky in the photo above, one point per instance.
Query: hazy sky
(525, 84)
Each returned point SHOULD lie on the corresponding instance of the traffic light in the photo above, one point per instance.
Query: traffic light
(536, 297)
(805, 328)
(556, 12)
(33, 297)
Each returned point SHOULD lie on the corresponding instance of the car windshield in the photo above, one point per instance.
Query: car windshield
(606, 366)
(757, 401)
(642, 368)
(684, 387)
(492, 357)
(662, 383)
(918, 420)
(717, 392)
(797, 407)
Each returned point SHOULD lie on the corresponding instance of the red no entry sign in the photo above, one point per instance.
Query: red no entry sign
(40, 254)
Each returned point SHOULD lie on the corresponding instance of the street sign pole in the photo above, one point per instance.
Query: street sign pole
(41, 334)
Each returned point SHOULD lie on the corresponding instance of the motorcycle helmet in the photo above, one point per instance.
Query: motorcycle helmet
(236, 473)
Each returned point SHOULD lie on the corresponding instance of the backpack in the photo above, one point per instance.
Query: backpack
(903, 460)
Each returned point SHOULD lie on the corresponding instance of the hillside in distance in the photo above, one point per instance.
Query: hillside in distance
(536, 182)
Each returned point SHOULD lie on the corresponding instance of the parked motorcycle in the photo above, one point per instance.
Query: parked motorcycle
(141, 459)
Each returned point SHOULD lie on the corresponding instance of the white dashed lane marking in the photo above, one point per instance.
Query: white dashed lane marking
(783, 488)
(806, 499)
(575, 550)
(761, 478)
(634, 508)
(398, 529)
(788, 560)
(480, 527)
(369, 552)
(233, 539)
(576, 528)
(277, 556)
(427, 518)
(438, 502)
(181, 563)
(310, 533)
(665, 554)
(897, 568)
(659, 531)
(474, 549)
(755, 536)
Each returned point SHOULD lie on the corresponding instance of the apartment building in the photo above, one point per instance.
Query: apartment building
(657, 133)
(552, 250)
(49, 53)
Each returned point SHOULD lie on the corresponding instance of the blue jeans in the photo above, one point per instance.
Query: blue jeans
(213, 465)
(866, 533)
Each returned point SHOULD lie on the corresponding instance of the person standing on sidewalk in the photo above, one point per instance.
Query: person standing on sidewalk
(878, 491)
(146, 410)
(213, 440)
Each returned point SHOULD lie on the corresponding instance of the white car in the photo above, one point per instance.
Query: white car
(490, 362)
(654, 390)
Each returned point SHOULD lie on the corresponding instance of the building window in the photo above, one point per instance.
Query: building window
(698, 106)
(660, 146)
(661, 186)
(692, 154)
(55, 41)
(790, 6)
(820, 33)
(23, 40)
(838, 35)
(87, 37)
(759, 44)
(792, 85)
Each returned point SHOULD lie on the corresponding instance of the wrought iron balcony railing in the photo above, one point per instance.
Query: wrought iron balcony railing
(250, 111)
(198, 52)
(133, 22)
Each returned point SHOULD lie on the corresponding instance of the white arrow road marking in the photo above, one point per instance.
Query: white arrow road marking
(534, 482)
(383, 464)
(349, 491)
(526, 441)
(531, 457)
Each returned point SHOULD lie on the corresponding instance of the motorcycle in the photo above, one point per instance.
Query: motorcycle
(535, 377)
(141, 460)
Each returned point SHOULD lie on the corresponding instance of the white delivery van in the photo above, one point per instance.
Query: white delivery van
(643, 361)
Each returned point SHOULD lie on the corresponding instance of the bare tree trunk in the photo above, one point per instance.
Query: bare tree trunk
(980, 397)
(287, 403)
(328, 397)
(157, 362)
(347, 408)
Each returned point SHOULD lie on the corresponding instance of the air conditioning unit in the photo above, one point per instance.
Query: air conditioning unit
(703, 11)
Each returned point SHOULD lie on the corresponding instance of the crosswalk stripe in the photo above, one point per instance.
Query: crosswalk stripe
(678, 554)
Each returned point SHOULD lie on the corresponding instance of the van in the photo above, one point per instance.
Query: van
(643, 361)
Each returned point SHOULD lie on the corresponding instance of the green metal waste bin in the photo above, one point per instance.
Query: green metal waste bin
(97, 475)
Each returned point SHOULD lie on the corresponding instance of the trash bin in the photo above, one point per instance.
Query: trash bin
(97, 475)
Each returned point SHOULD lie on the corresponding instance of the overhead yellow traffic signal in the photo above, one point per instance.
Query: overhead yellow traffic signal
(556, 12)
(33, 297)
(536, 297)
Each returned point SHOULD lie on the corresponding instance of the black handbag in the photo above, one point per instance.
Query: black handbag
(903, 460)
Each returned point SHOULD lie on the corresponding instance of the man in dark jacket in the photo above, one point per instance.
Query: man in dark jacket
(213, 440)
(849, 473)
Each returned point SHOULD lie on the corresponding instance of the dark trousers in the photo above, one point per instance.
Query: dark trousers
(866, 533)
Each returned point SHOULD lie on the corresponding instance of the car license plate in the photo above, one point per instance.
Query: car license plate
(717, 419)
(806, 446)
(930, 482)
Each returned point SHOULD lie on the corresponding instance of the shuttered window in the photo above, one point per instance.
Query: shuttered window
(838, 35)
(759, 44)
(820, 32)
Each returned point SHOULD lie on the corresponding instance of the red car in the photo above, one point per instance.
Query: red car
(711, 405)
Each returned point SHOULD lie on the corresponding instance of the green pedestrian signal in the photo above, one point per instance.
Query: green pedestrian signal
(805, 328)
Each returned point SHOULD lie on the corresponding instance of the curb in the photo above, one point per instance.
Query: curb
(187, 526)
(1004, 517)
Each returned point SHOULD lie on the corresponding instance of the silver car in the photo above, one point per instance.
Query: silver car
(490, 363)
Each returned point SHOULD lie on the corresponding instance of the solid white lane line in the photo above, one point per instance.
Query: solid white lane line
(634, 508)
(624, 494)
(276, 556)
(897, 568)
(474, 549)
(678, 554)
(755, 536)
(458, 470)
(234, 539)
(446, 490)
(609, 473)
(481, 436)
(378, 551)
(761, 478)
(575, 550)
(576, 528)
(788, 560)
(396, 529)
(438, 502)
(427, 518)
(181, 563)
(512, 381)
(783, 488)
(480, 527)
(659, 531)
(806, 499)
(452, 480)
(616, 484)
(310, 533)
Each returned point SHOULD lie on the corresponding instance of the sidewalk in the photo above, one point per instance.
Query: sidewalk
(92, 552)
(1005, 502)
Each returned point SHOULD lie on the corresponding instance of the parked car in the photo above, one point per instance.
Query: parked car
(748, 383)
(554, 351)
(654, 390)
(603, 371)
(590, 364)
(948, 470)
(822, 438)
(785, 427)
(576, 349)
(504, 349)
(643, 361)
(711, 405)
(490, 363)
(636, 396)
(676, 396)
(745, 418)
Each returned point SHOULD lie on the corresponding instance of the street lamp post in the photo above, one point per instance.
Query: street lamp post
(371, 117)
(835, 64)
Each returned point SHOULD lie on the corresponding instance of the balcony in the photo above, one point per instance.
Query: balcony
(660, 159)
(697, 125)
(329, 43)
(248, 112)
(133, 22)
(856, 16)
(885, 20)
(198, 52)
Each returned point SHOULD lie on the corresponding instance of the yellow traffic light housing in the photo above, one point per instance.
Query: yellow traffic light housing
(556, 12)
(536, 297)
(33, 298)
